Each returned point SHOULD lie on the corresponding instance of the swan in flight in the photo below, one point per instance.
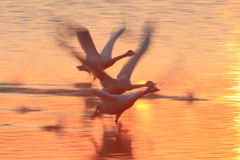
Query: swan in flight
(104, 59)
(117, 104)
(122, 83)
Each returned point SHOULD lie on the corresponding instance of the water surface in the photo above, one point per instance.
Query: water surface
(194, 50)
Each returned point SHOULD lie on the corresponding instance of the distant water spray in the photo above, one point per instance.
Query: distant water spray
(178, 75)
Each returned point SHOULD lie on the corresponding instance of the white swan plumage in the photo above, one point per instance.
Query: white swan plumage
(117, 104)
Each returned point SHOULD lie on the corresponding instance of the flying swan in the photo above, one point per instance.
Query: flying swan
(103, 59)
(117, 104)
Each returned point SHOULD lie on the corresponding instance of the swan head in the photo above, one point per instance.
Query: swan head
(149, 84)
(130, 53)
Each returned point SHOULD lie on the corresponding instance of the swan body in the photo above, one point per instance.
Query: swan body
(103, 59)
(117, 104)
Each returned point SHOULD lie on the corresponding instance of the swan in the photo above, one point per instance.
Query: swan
(117, 104)
(122, 83)
(103, 59)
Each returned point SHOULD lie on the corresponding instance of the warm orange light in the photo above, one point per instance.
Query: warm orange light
(189, 84)
(141, 82)
(141, 104)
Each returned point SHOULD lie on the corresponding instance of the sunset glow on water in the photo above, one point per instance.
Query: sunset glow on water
(193, 58)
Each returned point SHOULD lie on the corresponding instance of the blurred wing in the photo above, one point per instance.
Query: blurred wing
(130, 65)
(107, 50)
(96, 70)
(86, 42)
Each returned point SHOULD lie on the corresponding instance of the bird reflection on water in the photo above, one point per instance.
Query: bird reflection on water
(56, 127)
(114, 144)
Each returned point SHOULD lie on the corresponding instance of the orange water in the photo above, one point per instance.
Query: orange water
(195, 48)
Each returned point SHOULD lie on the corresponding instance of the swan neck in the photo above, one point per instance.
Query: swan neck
(139, 94)
(118, 58)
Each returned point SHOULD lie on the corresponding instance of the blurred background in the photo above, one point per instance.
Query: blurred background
(193, 58)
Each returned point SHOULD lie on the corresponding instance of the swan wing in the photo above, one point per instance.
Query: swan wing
(131, 63)
(107, 50)
(96, 70)
(86, 42)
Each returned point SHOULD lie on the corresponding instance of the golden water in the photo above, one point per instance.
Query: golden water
(195, 48)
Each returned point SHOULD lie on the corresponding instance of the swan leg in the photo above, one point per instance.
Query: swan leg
(95, 113)
(118, 116)
(94, 78)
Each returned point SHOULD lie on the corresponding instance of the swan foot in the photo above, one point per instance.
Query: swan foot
(116, 121)
(95, 113)
(118, 116)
